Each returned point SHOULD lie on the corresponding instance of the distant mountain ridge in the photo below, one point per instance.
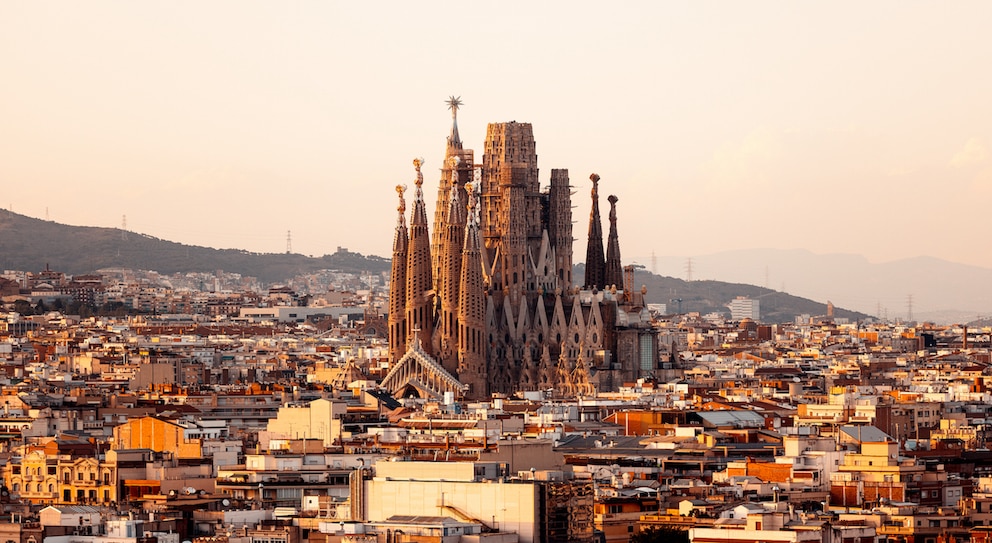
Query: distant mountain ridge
(934, 289)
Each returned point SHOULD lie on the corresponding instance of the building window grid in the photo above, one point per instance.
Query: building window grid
(646, 358)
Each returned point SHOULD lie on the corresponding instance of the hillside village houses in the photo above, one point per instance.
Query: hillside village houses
(177, 427)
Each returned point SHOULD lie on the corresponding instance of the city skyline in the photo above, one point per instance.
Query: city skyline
(721, 127)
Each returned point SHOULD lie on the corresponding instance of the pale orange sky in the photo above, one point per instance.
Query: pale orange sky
(850, 127)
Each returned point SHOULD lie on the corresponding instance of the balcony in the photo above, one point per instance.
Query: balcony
(900, 530)
(279, 483)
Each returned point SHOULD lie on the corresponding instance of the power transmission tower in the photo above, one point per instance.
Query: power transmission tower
(654, 263)
(289, 241)
(688, 269)
(123, 227)
(909, 306)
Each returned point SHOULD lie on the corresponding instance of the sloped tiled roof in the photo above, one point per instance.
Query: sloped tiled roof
(866, 434)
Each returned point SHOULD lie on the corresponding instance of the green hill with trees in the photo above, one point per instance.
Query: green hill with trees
(32, 244)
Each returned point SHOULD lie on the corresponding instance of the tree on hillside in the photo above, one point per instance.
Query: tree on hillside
(23, 308)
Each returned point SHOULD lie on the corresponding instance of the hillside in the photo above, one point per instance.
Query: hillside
(31, 244)
(714, 296)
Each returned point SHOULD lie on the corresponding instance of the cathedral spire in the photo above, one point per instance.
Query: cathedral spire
(419, 278)
(595, 261)
(453, 104)
(456, 211)
(614, 271)
(397, 283)
(456, 170)
(471, 321)
(449, 258)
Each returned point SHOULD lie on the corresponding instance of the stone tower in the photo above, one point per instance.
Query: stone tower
(560, 226)
(397, 283)
(511, 204)
(448, 240)
(472, 341)
(614, 271)
(419, 279)
(595, 261)
(447, 279)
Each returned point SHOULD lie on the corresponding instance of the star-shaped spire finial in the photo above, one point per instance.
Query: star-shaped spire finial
(454, 102)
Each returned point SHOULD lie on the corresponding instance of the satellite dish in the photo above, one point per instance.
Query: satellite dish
(225, 502)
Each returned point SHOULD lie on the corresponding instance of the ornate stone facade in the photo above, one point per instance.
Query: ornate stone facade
(496, 307)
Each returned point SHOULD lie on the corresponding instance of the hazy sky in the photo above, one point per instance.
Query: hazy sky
(850, 127)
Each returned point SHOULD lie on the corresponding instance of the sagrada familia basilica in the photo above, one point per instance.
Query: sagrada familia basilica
(484, 302)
